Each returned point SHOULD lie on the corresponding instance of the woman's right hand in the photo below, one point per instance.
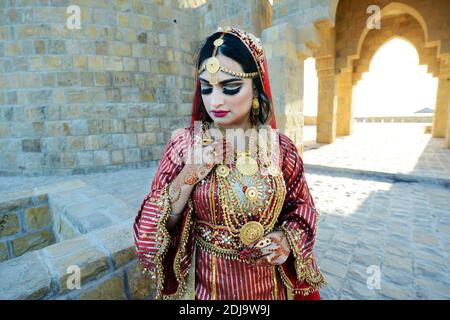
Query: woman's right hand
(201, 160)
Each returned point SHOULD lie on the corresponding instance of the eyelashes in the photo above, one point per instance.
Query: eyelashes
(226, 91)
(231, 91)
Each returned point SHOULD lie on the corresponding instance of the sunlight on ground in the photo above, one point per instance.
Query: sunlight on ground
(382, 147)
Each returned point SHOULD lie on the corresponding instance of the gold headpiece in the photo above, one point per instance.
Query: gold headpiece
(213, 66)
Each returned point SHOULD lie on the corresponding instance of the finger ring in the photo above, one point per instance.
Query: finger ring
(206, 141)
(263, 243)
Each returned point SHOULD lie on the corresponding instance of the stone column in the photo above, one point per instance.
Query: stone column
(344, 122)
(442, 98)
(327, 100)
(286, 78)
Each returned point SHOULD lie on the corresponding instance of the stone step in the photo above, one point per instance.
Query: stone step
(98, 258)
(86, 209)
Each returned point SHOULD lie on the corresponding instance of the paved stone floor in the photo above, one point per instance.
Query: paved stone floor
(377, 239)
(400, 148)
(400, 229)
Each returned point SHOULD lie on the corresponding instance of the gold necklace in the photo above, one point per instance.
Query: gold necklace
(245, 163)
(251, 228)
(247, 166)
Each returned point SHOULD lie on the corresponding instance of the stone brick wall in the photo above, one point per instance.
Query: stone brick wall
(286, 75)
(251, 15)
(104, 97)
(25, 225)
(300, 13)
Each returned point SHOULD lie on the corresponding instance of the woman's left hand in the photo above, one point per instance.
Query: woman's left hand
(274, 249)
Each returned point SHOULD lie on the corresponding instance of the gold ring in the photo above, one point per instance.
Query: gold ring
(206, 141)
(264, 242)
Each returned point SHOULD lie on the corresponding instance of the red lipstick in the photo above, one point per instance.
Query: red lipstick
(219, 113)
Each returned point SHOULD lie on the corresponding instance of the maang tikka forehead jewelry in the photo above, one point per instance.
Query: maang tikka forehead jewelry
(213, 66)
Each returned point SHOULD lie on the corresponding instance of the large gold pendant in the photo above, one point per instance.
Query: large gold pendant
(246, 165)
(251, 232)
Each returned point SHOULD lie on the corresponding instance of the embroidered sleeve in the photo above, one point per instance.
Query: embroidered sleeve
(299, 219)
(152, 240)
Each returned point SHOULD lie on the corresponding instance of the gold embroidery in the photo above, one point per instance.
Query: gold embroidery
(304, 268)
(212, 190)
(275, 283)
(213, 267)
(163, 238)
(300, 291)
(181, 278)
(218, 251)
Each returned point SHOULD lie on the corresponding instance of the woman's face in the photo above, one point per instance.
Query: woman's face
(228, 102)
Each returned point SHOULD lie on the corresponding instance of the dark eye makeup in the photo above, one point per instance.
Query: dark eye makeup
(225, 90)
(231, 91)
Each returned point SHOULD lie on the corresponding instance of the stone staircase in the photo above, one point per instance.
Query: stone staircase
(95, 246)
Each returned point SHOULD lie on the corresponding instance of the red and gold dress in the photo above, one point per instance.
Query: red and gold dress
(200, 259)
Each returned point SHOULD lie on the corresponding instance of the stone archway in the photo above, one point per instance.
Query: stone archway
(402, 26)
(339, 52)
(333, 32)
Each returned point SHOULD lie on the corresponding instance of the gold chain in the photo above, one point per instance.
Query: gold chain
(233, 212)
(212, 191)
(267, 218)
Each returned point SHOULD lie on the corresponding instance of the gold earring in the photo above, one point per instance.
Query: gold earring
(255, 111)
(255, 106)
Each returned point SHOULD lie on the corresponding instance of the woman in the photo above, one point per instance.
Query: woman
(226, 220)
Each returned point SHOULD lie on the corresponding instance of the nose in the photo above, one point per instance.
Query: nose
(216, 97)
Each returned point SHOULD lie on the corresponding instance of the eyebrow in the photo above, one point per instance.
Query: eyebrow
(222, 82)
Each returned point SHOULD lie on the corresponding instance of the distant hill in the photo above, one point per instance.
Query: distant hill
(425, 110)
